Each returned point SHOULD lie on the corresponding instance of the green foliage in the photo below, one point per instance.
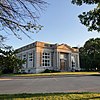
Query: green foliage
(80, 2)
(9, 63)
(90, 54)
(50, 71)
(90, 19)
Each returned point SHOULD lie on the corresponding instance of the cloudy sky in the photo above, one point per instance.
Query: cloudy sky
(61, 25)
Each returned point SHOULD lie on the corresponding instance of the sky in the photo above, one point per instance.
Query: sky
(61, 25)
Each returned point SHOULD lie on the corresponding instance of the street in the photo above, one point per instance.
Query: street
(50, 85)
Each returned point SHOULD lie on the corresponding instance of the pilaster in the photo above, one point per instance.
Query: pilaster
(78, 62)
(70, 63)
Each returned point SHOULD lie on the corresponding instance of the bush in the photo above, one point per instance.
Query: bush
(0, 72)
(50, 71)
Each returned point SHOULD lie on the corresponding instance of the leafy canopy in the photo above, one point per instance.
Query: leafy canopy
(90, 54)
(9, 63)
(90, 19)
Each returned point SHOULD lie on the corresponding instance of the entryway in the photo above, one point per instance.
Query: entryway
(62, 64)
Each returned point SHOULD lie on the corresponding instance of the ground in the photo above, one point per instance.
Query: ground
(65, 83)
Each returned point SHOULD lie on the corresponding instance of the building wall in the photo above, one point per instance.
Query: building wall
(29, 57)
(40, 56)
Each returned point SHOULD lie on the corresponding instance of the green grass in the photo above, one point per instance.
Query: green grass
(51, 96)
(54, 74)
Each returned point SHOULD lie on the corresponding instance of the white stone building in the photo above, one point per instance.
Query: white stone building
(40, 56)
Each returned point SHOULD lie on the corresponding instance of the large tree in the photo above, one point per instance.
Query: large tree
(9, 63)
(90, 19)
(20, 15)
(90, 54)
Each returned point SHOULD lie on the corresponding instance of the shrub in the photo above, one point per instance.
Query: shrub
(0, 72)
(50, 71)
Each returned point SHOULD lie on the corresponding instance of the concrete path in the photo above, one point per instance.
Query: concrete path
(50, 85)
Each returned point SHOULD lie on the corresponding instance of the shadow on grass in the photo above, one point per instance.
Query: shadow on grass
(95, 75)
(89, 98)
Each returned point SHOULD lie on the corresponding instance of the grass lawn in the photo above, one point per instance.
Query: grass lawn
(54, 74)
(52, 96)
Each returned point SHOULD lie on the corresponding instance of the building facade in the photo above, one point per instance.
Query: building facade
(40, 56)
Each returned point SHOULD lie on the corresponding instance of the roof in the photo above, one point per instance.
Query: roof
(48, 45)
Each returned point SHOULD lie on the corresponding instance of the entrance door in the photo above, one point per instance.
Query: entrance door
(62, 64)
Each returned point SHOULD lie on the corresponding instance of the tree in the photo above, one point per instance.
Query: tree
(90, 54)
(90, 19)
(17, 16)
(2, 45)
(20, 15)
(9, 63)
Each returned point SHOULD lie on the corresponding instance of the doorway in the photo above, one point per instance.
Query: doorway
(62, 64)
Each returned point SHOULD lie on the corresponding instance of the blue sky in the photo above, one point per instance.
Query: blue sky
(61, 25)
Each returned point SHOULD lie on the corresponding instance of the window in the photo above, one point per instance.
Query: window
(24, 57)
(30, 57)
(47, 45)
(62, 56)
(73, 58)
(46, 59)
(73, 61)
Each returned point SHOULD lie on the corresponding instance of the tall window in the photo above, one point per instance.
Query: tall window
(46, 59)
(24, 57)
(73, 60)
(30, 57)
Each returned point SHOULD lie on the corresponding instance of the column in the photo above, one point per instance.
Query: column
(70, 63)
(35, 58)
(59, 60)
(78, 62)
(27, 60)
(55, 60)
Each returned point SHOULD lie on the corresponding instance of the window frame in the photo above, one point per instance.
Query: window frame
(46, 59)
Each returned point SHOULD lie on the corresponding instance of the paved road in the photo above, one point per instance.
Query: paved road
(56, 84)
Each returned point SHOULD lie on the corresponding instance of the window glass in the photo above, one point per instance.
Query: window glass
(62, 56)
(24, 58)
(30, 56)
(46, 59)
